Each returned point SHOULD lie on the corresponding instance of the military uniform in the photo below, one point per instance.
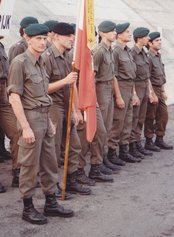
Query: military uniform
(58, 67)
(157, 114)
(125, 72)
(7, 118)
(28, 82)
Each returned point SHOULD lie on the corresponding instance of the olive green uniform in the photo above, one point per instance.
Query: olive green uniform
(58, 67)
(157, 114)
(28, 78)
(141, 86)
(125, 72)
(7, 118)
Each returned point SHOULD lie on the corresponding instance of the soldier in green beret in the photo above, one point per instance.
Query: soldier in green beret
(140, 57)
(21, 45)
(125, 72)
(157, 114)
(28, 93)
(105, 85)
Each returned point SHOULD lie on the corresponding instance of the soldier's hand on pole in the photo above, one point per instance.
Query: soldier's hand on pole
(71, 78)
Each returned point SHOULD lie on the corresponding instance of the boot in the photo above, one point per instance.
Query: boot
(149, 145)
(134, 152)
(31, 215)
(97, 175)
(114, 159)
(15, 180)
(74, 187)
(105, 170)
(2, 189)
(111, 166)
(160, 143)
(52, 208)
(125, 156)
(58, 193)
(141, 149)
(1, 158)
(82, 178)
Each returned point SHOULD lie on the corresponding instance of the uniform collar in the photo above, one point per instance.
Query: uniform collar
(105, 46)
(33, 58)
(138, 50)
(153, 54)
(124, 47)
(56, 52)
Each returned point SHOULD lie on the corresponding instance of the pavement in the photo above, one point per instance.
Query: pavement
(140, 203)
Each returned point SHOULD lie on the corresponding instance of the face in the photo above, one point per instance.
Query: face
(66, 41)
(37, 43)
(144, 40)
(155, 44)
(110, 36)
(125, 36)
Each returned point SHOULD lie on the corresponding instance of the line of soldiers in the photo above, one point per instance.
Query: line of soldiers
(130, 96)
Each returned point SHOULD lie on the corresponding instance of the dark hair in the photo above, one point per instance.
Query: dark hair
(21, 31)
(135, 39)
(99, 38)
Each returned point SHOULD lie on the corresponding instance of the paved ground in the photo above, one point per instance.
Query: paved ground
(140, 203)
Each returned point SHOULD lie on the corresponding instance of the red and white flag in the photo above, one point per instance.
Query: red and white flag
(85, 39)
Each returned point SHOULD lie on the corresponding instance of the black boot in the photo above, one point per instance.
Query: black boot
(141, 149)
(149, 145)
(97, 175)
(58, 193)
(125, 156)
(82, 178)
(114, 159)
(2, 189)
(31, 215)
(106, 170)
(15, 180)
(74, 187)
(111, 166)
(134, 152)
(52, 208)
(160, 143)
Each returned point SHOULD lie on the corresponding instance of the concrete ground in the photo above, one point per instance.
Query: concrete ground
(140, 203)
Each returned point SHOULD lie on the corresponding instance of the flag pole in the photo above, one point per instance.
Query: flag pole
(68, 130)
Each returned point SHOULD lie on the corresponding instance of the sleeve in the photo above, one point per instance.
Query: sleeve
(16, 78)
(150, 65)
(116, 62)
(97, 59)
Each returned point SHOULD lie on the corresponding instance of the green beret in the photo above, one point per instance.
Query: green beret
(63, 28)
(120, 28)
(140, 32)
(36, 29)
(27, 21)
(106, 26)
(154, 35)
(50, 24)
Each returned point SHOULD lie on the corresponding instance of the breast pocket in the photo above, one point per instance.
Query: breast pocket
(125, 64)
(35, 85)
(142, 68)
(157, 70)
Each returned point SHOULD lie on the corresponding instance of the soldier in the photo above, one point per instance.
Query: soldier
(7, 118)
(106, 83)
(125, 72)
(140, 57)
(21, 45)
(28, 93)
(60, 77)
(157, 114)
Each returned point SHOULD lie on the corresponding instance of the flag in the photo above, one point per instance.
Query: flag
(85, 39)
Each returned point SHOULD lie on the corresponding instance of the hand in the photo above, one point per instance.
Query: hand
(52, 127)
(153, 98)
(135, 100)
(75, 118)
(28, 135)
(71, 78)
(80, 117)
(120, 102)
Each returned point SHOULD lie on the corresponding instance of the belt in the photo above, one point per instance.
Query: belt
(40, 109)
(126, 80)
(105, 82)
